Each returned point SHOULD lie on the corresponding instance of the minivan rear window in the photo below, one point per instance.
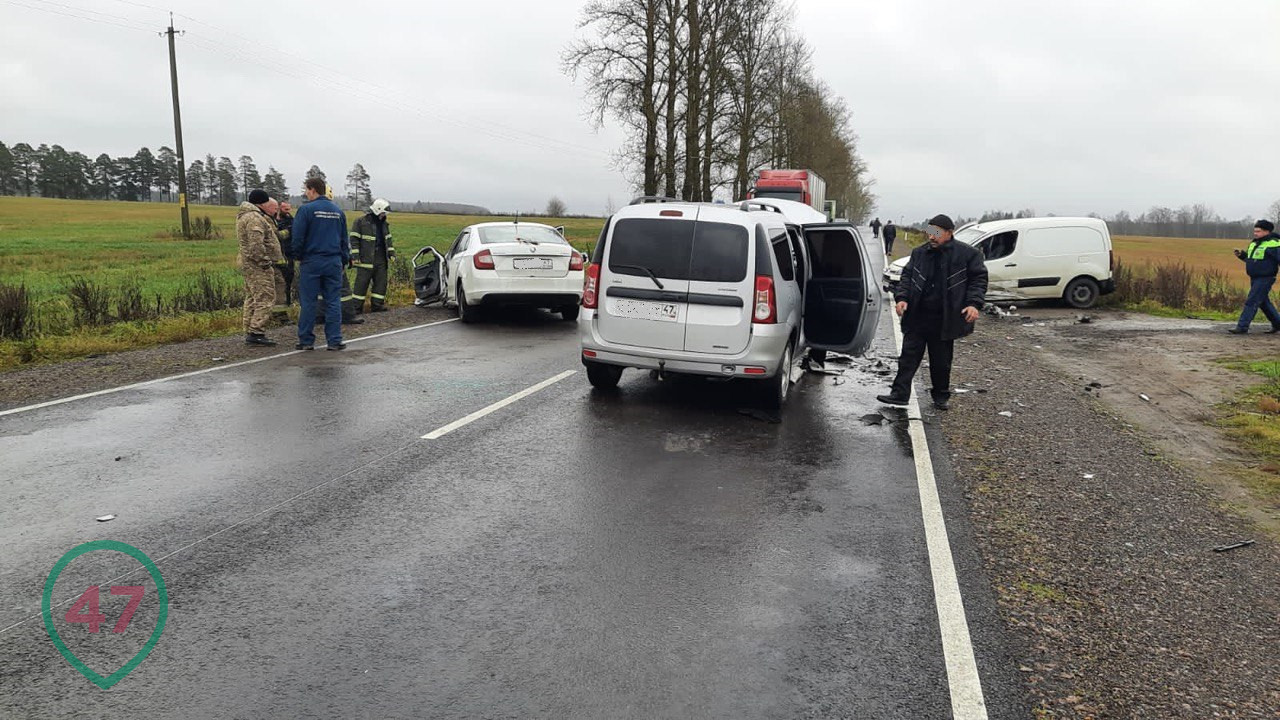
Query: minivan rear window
(675, 250)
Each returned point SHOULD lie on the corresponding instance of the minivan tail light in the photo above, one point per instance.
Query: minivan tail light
(590, 287)
(575, 261)
(483, 260)
(671, 213)
(766, 305)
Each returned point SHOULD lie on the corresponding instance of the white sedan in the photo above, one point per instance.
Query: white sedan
(512, 263)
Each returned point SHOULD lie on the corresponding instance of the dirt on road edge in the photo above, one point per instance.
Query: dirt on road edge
(1099, 542)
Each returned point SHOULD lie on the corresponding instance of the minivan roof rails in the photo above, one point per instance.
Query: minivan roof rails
(748, 206)
(653, 199)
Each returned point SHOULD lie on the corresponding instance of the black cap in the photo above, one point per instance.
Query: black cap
(258, 196)
(1265, 225)
(942, 221)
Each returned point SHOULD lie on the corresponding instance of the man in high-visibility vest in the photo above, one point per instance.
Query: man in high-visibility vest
(1262, 262)
(371, 253)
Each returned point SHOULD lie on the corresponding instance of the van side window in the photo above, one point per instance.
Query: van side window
(999, 246)
(783, 253)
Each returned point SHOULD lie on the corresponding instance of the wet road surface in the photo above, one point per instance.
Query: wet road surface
(651, 553)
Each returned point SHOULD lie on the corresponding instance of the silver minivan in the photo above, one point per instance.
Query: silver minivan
(729, 291)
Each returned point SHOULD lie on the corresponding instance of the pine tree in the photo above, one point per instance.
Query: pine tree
(227, 181)
(358, 187)
(8, 184)
(24, 168)
(315, 172)
(212, 187)
(144, 172)
(196, 181)
(249, 177)
(274, 184)
(166, 171)
(104, 177)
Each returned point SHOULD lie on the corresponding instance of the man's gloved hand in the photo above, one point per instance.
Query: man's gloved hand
(1239, 253)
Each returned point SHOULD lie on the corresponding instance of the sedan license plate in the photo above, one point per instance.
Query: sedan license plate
(642, 310)
(533, 264)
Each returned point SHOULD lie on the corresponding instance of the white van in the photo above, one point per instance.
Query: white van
(1039, 258)
(730, 291)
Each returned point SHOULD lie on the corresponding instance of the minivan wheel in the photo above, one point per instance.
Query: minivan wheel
(569, 312)
(777, 388)
(466, 313)
(603, 377)
(1081, 293)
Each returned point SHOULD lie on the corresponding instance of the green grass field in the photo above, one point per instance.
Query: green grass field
(45, 242)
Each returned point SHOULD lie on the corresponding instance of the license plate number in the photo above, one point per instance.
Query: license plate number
(533, 264)
(642, 310)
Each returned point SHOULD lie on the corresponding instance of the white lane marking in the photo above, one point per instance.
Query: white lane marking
(193, 373)
(967, 702)
(437, 434)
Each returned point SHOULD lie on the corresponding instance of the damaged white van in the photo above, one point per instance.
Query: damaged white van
(1039, 258)
(729, 291)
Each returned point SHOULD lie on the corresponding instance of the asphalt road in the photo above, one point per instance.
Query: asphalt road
(651, 554)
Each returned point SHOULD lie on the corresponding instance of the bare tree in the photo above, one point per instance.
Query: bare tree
(555, 207)
(620, 64)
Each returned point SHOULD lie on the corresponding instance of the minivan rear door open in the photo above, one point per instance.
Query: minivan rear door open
(842, 301)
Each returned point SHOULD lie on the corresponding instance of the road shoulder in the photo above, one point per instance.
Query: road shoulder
(1101, 551)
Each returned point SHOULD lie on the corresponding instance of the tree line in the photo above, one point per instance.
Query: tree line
(710, 92)
(54, 172)
(1189, 221)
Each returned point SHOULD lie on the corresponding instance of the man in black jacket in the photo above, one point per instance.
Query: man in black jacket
(943, 285)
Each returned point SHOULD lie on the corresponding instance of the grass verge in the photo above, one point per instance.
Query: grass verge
(1253, 420)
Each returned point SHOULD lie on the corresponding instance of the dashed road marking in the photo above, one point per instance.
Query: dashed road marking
(441, 432)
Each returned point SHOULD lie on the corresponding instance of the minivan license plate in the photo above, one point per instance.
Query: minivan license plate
(642, 310)
(532, 263)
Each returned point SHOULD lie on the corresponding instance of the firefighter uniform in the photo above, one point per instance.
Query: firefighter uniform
(371, 253)
(284, 270)
(259, 254)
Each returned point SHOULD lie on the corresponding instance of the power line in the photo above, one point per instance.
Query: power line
(52, 11)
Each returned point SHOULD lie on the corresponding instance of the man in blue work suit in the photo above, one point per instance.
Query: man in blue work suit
(320, 246)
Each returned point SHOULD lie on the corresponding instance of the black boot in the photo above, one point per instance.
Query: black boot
(258, 339)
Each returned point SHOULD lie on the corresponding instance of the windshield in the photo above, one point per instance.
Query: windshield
(780, 193)
(969, 235)
(520, 233)
(679, 250)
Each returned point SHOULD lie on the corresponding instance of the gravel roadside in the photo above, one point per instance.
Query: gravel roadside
(1102, 552)
(49, 382)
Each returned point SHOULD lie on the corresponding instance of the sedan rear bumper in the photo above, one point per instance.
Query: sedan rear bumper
(488, 289)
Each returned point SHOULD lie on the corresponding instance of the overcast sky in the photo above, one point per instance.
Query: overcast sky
(1069, 107)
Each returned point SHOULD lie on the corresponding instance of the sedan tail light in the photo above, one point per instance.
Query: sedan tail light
(766, 301)
(590, 287)
(483, 260)
(575, 261)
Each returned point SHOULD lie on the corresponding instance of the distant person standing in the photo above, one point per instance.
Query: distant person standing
(320, 245)
(1262, 262)
(875, 228)
(890, 234)
(943, 285)
(372, 252)
(259, 254)
(285, 270)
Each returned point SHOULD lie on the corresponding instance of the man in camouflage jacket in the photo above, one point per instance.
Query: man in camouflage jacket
(259, 256)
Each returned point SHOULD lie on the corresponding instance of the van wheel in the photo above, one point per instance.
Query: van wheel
(466, 313)
(569, 312)
(777, 388)
(1081, 293)
(604, 377)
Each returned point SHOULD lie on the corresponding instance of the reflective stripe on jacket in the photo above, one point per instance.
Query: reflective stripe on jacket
(1262, 259)
(364, 240)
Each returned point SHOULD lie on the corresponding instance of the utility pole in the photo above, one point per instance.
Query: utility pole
(177, 131)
